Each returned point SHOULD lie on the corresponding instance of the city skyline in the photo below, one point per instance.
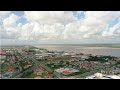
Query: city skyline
(59, 27)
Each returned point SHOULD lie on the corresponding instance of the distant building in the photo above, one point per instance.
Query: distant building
(10, 70)
(67, 72)
(37, 77)
(2, 57)
(39, 71)
(102, 76)
(3, 53)
(116, 71)
(83, 57)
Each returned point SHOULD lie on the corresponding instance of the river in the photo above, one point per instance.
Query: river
(83, 49)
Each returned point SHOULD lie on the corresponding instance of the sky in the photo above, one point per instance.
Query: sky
(59, 27)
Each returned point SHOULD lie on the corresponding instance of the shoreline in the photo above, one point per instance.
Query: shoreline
(83, 47)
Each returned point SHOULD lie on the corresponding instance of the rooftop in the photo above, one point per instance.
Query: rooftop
(39, 70)
(10, 69)
(101, 76)
(2, 53)
(37, 77)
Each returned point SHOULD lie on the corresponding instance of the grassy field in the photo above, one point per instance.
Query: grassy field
(4, 66)
(104, 45)
(31, 76)
(116, 46)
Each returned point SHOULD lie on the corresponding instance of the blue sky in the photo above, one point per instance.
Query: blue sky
(20, 14)
(59, 27)
(77, 14)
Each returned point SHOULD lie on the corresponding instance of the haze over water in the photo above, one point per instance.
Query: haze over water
(83, 49)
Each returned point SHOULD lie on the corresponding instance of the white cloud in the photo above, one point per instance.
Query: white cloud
(96, 22)
(113, 32)
(10, 21)
(49, 17)
(4, 14)
(9, 28)
(2, 32)
(60, 25)
(34, 30)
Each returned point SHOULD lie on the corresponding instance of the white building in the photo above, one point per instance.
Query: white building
(102, 76)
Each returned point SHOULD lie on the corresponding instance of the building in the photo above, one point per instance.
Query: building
(116, 71)
(3, 53)
(39, 71)
(83, 57)
(98, 75)
(2, 57)
(10, 70)
(103, 76)
(66, 72)
(37, 77)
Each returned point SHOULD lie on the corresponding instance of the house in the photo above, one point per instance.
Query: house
(42, 56)
(98, 75)
(10, 72)
(67, 72)
(49, 76)
(2, 57)
(83, 57)
(116, 71)
(39, 71)
(3, 53)
(37, 77)
(106, 63)
(66, 53)
(60, 70)
(0, 75)
(38, 56)
(11, 69)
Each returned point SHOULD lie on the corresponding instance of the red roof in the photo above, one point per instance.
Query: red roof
(66, 72)
(2, 52)
(11, 70)
(39, 70)
(37, 77)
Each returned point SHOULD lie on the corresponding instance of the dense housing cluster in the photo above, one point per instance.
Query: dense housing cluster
(32, 62)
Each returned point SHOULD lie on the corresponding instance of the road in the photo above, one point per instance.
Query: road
(37, 64)
(28, 70)
(57, 75)
(95, 71)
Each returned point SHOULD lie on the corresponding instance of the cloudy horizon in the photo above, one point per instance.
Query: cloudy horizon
(59, 27)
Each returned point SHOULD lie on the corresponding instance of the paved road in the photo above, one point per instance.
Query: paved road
(28, 70)
(57, 75)
(95, 71)
(37, 64)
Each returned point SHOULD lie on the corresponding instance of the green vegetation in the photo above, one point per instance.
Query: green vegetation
(116, 46)
(57, 65)
(102, 59)
(117, 63)
(4, 66)
(81, 71)
(23, 65)
(31, 76)
(31, 47)
(27, 75)
(81, 68)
